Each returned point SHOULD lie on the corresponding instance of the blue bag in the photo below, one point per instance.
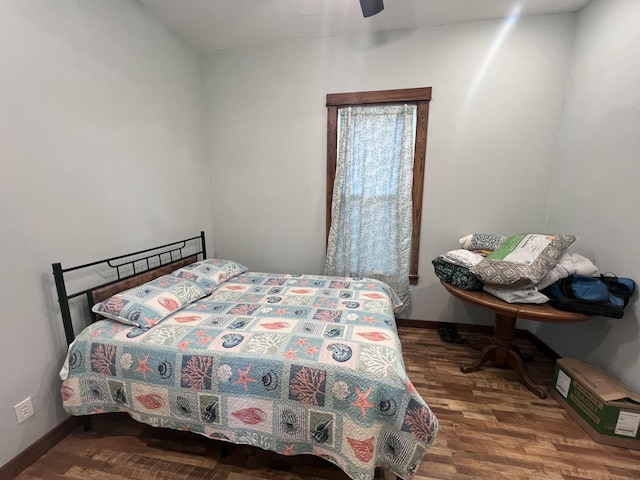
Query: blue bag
(605, 295)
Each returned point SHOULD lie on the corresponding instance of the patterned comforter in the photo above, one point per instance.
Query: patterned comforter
(296, 364)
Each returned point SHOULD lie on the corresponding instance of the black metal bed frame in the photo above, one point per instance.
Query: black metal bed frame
(136, 262)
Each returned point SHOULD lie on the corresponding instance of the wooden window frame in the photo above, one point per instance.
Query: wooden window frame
(416, 96)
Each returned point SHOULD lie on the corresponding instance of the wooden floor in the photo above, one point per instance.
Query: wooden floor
(491, 427)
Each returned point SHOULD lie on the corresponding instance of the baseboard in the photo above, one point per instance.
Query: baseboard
(465, 327)
(410, 322)
(540, 345)
(39, 448)
(485, 329)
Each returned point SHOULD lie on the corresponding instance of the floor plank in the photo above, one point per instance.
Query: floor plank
(491, 427)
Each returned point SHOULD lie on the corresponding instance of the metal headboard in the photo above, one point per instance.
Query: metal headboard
(139, 263)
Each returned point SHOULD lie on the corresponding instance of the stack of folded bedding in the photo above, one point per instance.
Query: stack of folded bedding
(513, 268)
(455, 266)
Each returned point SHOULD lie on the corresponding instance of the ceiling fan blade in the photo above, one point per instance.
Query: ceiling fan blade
(371, 7)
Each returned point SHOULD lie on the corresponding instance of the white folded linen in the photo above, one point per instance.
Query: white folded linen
(527, 295)
(462, 257)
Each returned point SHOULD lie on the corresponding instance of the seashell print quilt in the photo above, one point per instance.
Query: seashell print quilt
(296, 364)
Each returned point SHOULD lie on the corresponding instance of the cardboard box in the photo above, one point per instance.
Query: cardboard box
(604, 407)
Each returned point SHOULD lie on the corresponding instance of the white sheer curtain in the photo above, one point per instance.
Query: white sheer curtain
(371, 214)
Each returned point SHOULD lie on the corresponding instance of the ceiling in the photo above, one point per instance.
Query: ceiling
(217, 24)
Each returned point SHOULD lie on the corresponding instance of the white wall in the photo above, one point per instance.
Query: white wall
(493, 126)
(102, 152)
(595, 191)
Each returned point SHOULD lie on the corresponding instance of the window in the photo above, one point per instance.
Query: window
(370, 109)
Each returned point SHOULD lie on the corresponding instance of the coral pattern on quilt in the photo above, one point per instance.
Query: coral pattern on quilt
(296, 364)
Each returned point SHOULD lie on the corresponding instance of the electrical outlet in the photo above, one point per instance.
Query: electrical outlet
(24, 409)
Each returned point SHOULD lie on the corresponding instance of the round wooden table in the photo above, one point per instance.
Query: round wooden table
(500, 350)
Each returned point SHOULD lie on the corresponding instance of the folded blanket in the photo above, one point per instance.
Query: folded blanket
(569, 264)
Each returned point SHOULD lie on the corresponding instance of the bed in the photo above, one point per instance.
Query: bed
(295, 364)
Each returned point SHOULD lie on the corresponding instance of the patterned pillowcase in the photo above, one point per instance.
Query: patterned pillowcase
(486, 241)
(522, 260)
(148, 304)
(211, 273)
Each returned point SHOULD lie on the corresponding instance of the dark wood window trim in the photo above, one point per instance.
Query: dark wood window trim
(418, 96)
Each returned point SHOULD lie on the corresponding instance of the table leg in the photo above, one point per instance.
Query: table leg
(488, 355)
(515, 362)
(503, 333)
(500, 352)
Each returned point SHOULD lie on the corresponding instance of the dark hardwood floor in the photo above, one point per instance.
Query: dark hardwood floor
(491, 427)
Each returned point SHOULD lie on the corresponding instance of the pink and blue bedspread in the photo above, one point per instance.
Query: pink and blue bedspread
(296, 364)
